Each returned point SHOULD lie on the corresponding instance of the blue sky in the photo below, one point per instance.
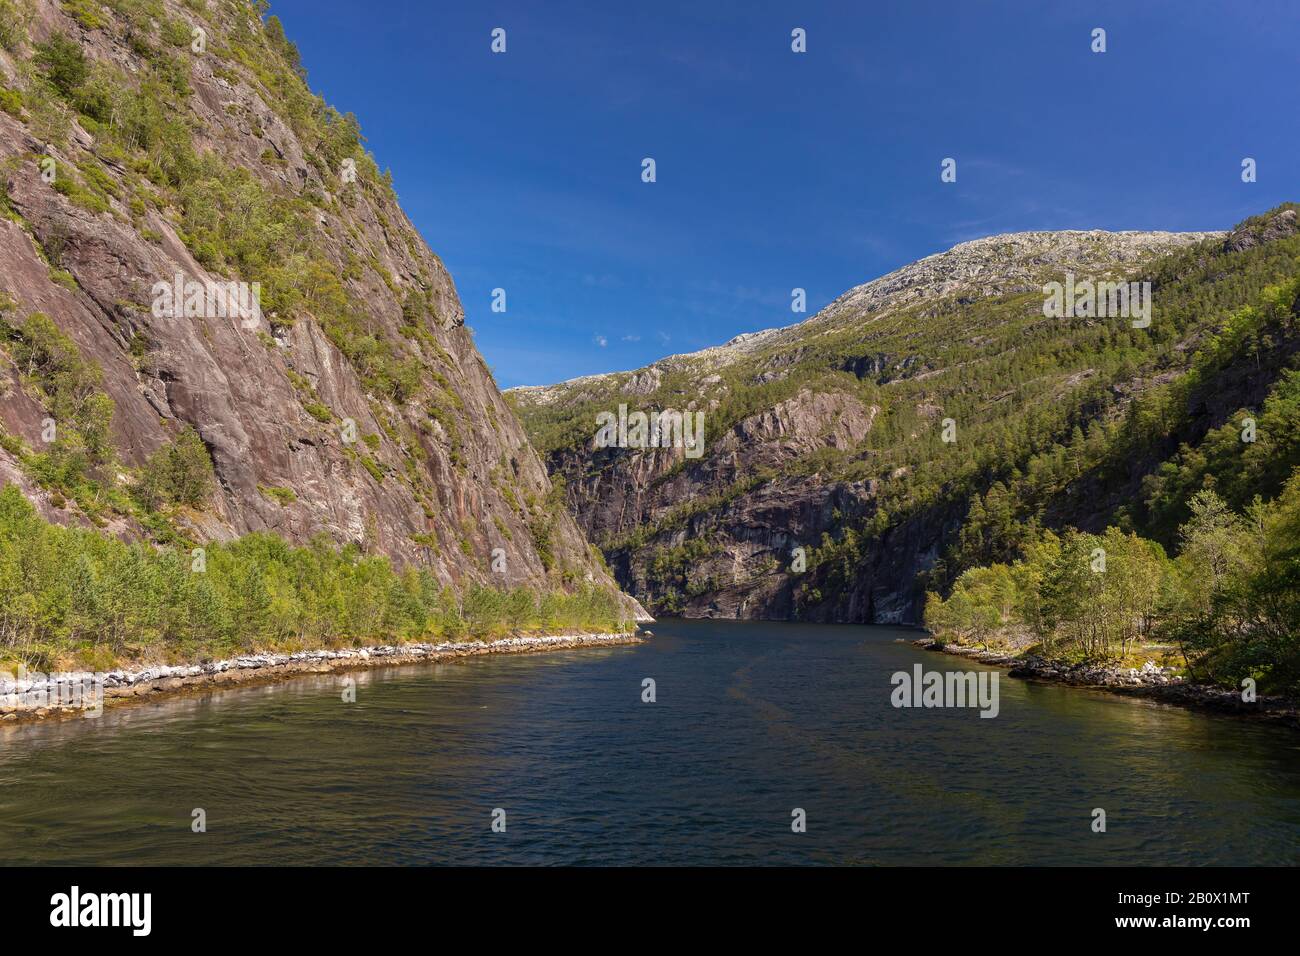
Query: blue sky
(779, 170)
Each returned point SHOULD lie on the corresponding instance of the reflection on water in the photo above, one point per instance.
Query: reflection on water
(751, 721)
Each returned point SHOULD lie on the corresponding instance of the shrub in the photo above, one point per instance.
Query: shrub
(85, 12)
(318, 411)
(11, 101)
(15, 20)
(284, 496)
(71, 389)
(176, 32)
(63, 63)
(179, 473)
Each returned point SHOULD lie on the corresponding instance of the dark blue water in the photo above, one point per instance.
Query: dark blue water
(751, 721)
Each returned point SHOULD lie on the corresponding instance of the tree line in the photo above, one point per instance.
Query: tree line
(1229, 600)
(76, 597)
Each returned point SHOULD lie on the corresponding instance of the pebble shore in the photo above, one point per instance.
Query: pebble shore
(1161, 684)
(43, 696)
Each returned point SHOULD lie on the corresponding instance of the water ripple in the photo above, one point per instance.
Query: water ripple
(751, 721)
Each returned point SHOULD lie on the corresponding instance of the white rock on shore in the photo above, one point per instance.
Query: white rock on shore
(38, 692)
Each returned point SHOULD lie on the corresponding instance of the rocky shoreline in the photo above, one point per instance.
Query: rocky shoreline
(39, 696)
(1150, 682)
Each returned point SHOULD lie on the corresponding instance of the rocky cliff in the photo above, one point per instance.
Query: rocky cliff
(147, 144)
(844, 454)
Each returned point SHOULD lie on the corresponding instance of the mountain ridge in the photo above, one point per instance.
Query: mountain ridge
(1126, 247)
(827, 435)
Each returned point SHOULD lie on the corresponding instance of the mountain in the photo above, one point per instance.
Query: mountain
(923, 423)
(152, 148)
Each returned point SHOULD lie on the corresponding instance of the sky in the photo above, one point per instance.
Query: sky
(777, 170)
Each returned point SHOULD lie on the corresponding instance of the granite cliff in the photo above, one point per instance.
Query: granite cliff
(155, 143)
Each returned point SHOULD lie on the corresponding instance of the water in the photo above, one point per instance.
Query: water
(751, 721)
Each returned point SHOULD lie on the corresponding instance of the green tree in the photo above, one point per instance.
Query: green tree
(63, 62)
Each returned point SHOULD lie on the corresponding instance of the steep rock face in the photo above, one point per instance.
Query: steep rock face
(437, 471)
(827, 437)
(636, 487)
